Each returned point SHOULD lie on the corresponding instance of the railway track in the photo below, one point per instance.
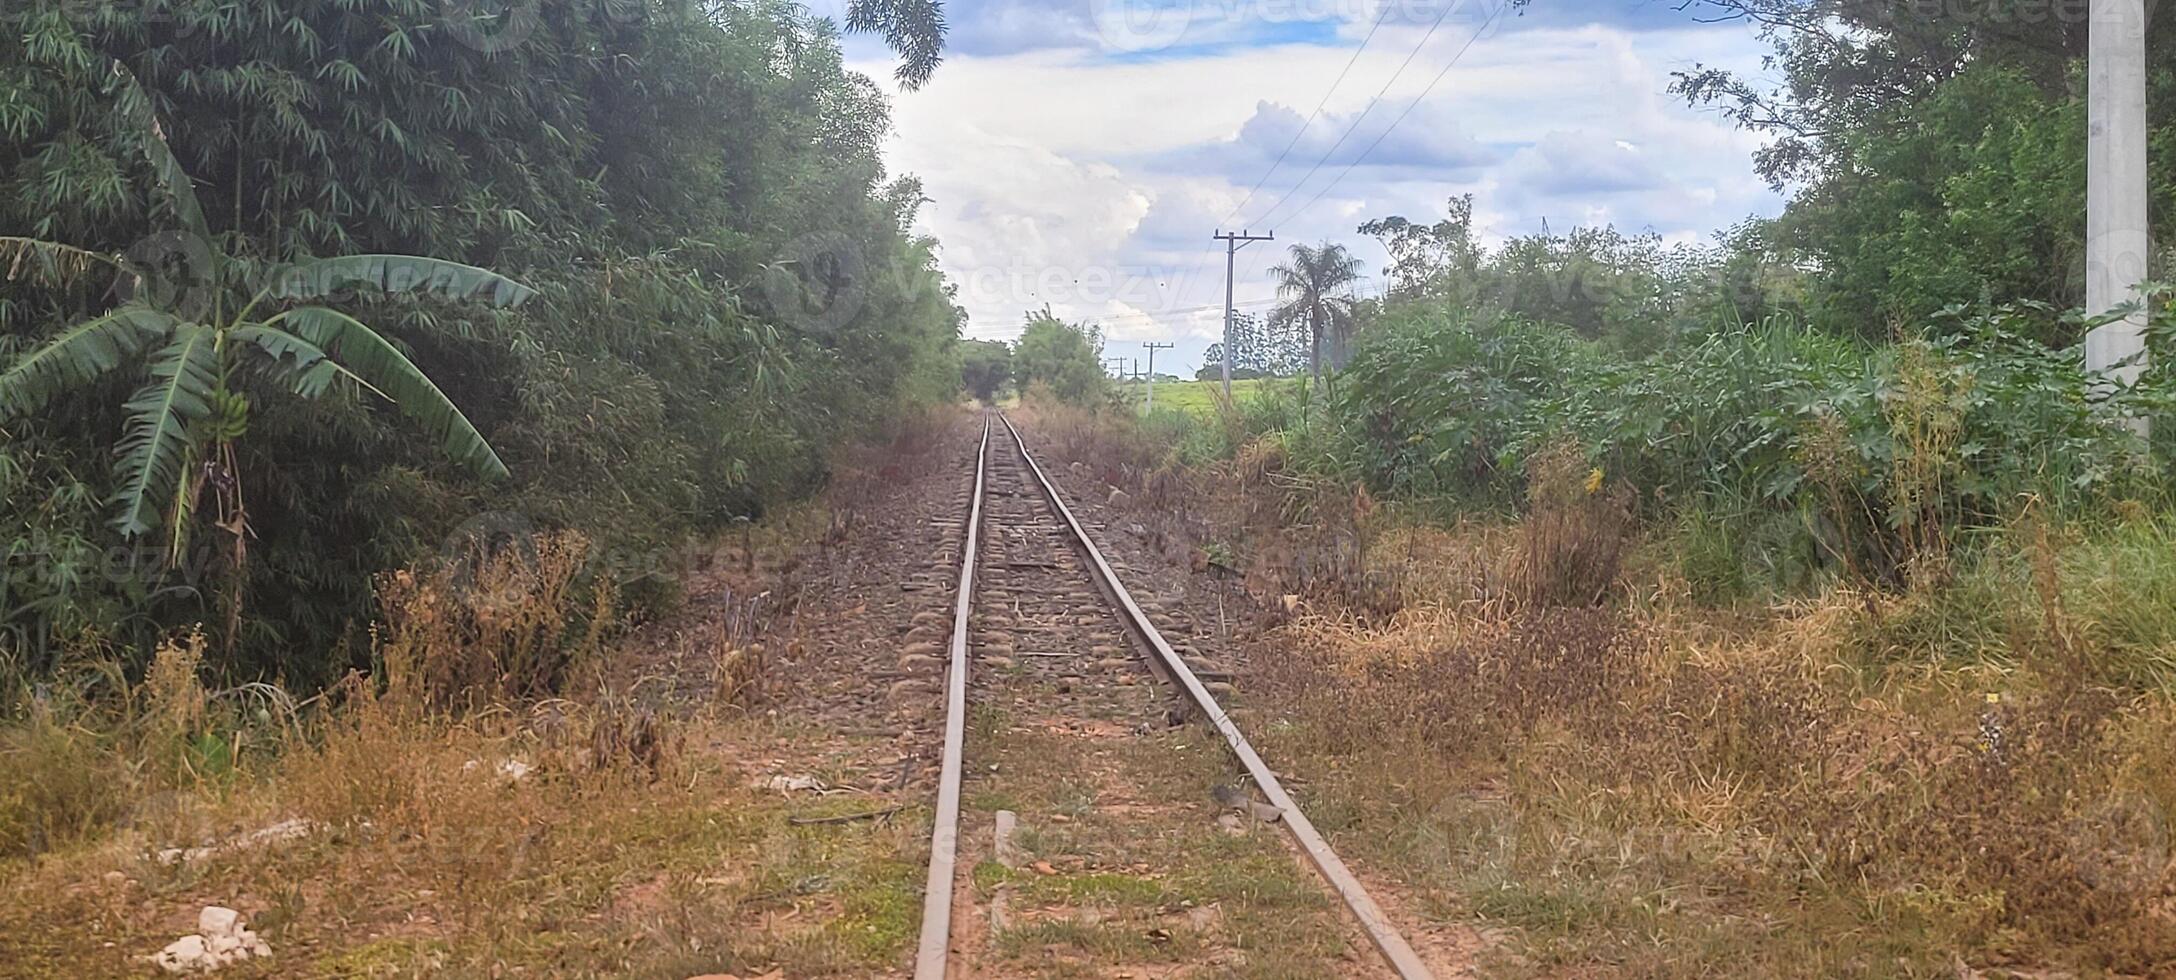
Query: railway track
(1048, 644)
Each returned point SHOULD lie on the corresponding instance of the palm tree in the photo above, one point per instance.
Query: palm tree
(229, 324)
(1315, 285)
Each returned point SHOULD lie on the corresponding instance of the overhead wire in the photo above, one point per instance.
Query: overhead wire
(1365, 111)
(1432, 83)
(1380, 17)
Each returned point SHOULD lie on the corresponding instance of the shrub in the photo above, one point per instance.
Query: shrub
(509, 620)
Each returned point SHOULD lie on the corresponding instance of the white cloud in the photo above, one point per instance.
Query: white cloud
(1065, 177)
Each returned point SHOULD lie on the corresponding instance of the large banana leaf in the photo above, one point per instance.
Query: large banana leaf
(302, 366)
(80, 355)
(320, 279)
(135, 105)
(156, 448)
(358, 348)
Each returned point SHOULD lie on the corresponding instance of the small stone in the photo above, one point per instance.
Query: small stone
(1230, 823)
(1007, 854)
(184, 955)
(998, 663)
(217, 921)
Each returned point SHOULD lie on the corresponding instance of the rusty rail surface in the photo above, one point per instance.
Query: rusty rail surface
(1372, 920)
(936, 943)
(931, 958)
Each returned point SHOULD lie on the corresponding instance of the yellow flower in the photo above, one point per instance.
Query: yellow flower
(1594, 482)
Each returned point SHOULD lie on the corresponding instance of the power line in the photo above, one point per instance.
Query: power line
(1380, 18)
(1171, 314)
(1415, 104)
(1448, 6)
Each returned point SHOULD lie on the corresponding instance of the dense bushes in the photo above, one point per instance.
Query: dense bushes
(1864, 457)
(727, 284)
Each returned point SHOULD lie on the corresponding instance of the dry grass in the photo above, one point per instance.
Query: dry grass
(1642, 792)
(1954, 759)
(449, 825)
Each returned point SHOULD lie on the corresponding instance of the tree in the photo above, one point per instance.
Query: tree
(1937, 149)
(985, 367)
(1440, 261)
(1315, 285)
(212, 333)
(1260, 349)
(645, 165)
(1065, 356)
(914, 29)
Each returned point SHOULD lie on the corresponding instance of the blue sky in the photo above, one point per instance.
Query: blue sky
(1080, 153)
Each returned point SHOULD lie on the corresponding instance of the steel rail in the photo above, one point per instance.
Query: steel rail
(1380, 931)
(936, 943)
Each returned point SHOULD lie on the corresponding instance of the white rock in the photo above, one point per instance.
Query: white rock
(184, 955)
(218, 922)
(223, 940)
(515, 769)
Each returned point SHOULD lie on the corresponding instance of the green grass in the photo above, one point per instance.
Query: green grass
(1198, 397)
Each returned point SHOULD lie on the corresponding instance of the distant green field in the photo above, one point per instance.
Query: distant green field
(1198, 397)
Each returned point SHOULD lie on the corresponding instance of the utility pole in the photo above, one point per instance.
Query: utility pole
(2116, 233)
(1232, 245)
(1153, 347)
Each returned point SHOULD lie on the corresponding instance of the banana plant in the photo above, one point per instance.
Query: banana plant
(224, 324)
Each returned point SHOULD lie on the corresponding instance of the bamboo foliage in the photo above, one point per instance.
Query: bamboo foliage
(630, 166)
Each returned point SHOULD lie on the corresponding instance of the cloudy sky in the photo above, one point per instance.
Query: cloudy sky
(1080, 153)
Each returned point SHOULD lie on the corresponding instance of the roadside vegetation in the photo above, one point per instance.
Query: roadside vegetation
(1793, 605)
(717, 274)
(367, 370)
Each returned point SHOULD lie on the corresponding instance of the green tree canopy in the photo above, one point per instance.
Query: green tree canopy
(985, 367)
(1065, 356)
(725, 276)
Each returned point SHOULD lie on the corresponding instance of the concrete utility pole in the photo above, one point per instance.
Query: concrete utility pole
(1232, 245)
(1153, 347)
(2116, 232)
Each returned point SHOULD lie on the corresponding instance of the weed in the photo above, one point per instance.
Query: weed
(1573, 540)
(504, 621)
